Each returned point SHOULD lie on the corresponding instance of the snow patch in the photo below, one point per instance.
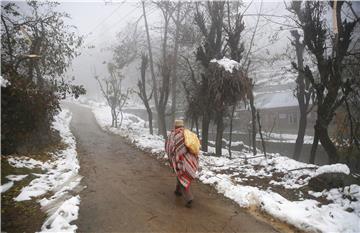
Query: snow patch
(16, 177)
(6, 187)
(333, 168)
(227, 64)
(26, 162)
(60, 178)
(4, 82)
(228, 177)
(60, 220)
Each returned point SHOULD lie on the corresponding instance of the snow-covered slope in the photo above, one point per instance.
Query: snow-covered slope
(276, 184)
(59, 179)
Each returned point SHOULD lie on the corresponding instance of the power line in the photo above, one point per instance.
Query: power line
(106, 18)
(125, 16)
(130, 12)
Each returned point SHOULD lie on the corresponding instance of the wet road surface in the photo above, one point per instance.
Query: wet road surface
(129, 191)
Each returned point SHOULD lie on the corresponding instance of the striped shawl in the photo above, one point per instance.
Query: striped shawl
(181, 160)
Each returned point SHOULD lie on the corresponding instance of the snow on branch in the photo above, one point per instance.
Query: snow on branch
(333, 168)
(227, 64)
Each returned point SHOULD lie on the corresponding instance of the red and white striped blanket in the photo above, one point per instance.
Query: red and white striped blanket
(181, 160)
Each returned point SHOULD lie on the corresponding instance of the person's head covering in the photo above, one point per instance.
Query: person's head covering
(179, 123)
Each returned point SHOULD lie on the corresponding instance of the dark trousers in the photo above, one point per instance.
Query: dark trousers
(185, 193)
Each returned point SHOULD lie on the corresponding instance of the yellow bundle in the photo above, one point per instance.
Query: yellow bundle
(192, 142)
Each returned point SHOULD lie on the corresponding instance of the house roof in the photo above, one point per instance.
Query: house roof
(275, 100)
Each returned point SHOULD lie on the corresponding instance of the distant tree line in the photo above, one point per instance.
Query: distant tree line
(331, 79)
(179, 69)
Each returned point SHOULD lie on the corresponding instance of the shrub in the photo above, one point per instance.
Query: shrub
(26, 114)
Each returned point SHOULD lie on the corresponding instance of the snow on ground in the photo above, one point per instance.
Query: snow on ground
(304, 213)
(6, 187)
(4, 82)
(23, 161)
(60, 177)
(338, 168)
(276, 184)
(16, 177)
(132, 127)
(60, 220)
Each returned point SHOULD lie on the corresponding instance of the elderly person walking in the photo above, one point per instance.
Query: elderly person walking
(182, 148)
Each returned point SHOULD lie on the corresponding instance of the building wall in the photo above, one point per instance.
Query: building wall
(279, 120)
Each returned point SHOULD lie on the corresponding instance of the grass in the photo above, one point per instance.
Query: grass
(24, 216)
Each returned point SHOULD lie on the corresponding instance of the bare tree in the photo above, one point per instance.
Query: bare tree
(260, 132)
(165, 66)
(333, 87)
(211, 29)
(303, 92)
(154, 81)
(142, 89)
(233, 29)
(161, 93)
(191, 84)
(111, 88)
(177, 22)
(246, 63)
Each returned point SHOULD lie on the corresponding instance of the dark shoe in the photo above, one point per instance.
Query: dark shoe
(189, 204)
(177, 193)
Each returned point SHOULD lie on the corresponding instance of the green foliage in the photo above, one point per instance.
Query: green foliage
(26, 114)
(36, 49)
(41, 33)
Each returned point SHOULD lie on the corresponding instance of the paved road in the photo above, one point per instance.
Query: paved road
(129, 191)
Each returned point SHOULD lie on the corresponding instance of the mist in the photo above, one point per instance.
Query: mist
(115, 113)
(99, 22)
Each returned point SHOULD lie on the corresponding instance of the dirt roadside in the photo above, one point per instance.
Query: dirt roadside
(129, 191)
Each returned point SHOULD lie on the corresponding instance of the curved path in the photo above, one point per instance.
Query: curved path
(129, 191)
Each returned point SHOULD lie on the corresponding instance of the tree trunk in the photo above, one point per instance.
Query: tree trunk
(249, 136)
(301, 133)
(301, 95)
(116, 120)
(162, 122)
(122, 117)
(166, 76)
(261, 136)
(314, 147)
(205, 131)
(149, 112)
(113, 116)
(231, 128)
(327, 143)
(156, 99)
(174, 77)
(253, 122)
(150, 120)
(219, 133)
(112, 120)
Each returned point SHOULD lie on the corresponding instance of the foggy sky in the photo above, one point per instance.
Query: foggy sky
(99, 22)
